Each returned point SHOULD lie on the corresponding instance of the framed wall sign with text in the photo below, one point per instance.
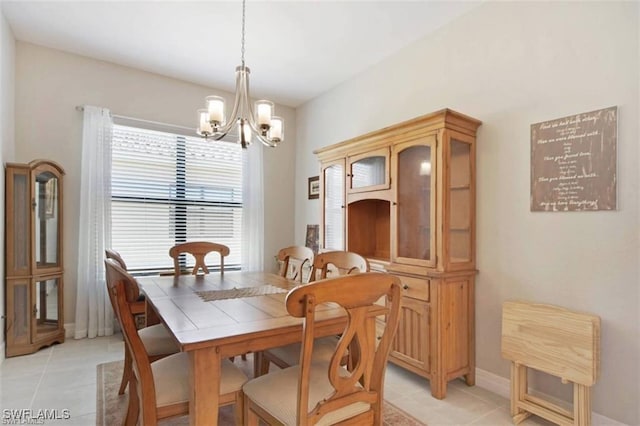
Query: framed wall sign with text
(573, 162)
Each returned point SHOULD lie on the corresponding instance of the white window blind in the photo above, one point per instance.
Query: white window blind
(169, 188)
(334, 207)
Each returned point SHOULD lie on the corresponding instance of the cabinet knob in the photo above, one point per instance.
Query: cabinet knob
(394, 203)
(406, 287)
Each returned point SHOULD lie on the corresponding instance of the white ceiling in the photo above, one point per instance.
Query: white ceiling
(296, 49)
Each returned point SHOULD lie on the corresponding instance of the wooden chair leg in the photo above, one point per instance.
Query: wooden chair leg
(264, 366)
(250, 417)
(126, 372)
(238, 410)
(581, 405)
(133, 409)
(257, 359)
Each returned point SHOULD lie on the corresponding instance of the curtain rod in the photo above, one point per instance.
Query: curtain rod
(157, 123)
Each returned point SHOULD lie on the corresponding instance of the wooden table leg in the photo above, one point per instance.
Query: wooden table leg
(519, 387)
(581, 405)
(204, 380)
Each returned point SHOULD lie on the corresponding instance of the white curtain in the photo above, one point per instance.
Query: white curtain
(252, 209)
(94, 314)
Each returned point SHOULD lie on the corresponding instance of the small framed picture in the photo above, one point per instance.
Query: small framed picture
(314, 187)
(312, 239)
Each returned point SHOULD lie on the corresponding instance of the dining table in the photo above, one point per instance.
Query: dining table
(215, 316)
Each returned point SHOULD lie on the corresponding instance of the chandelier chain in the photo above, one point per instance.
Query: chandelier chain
(243, 18)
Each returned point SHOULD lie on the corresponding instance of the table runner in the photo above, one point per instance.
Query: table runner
(236, 293)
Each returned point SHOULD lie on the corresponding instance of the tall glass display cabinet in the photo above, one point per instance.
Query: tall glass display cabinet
(404, 197)
(33, 250)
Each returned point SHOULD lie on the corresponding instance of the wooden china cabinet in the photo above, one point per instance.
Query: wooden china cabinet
(404, 197)
(33, 250)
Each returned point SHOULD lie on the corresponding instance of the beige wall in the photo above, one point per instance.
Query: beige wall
(7, 62)
(511, 64)
(50, 84)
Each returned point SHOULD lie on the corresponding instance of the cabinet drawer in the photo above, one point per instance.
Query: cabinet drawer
(416, 288)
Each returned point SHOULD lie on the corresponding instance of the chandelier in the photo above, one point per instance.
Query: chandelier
(212, 121)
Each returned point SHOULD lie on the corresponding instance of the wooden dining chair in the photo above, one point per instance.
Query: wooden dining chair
(112, 254)
(292, 261)
(341, 263)
(156, 339)
(199, 250)
(331, 263)
(161, 389)
(327, 393)
(137, 307)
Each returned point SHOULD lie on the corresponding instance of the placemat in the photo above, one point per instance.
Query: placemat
(236, 293)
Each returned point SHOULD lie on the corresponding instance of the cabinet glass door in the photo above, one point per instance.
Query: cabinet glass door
(369, 171)
(18, 319)
(19, 203)
(415, 215)
(333, 211)
(46, 307)
(460, 202)
(46, 220)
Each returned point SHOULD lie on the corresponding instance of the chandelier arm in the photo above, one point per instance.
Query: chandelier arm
(222, 131)
(218, 135)
(265, 141)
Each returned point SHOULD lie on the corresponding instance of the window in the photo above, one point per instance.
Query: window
(168, 188)
(334, 207)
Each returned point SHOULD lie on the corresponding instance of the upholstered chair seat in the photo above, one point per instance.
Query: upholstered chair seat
(282, 404)
(171, 378)
(157, 340)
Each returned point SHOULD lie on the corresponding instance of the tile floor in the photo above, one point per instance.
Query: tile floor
(64, 377)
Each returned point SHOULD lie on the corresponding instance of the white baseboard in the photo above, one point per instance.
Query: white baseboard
(502, 386)
(69, 330)
(494, 383)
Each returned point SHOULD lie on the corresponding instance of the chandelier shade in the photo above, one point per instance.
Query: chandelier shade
(258, 121)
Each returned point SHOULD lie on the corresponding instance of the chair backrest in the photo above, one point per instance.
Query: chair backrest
(198, 249)
(294, 258)
(114, 273)
(345, 262)
(142, 382)
(364, 380)
(112, 254)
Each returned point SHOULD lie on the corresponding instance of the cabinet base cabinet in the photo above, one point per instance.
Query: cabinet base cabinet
(34, 320)
(410, 347)
(29, 348)
(435, 337)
